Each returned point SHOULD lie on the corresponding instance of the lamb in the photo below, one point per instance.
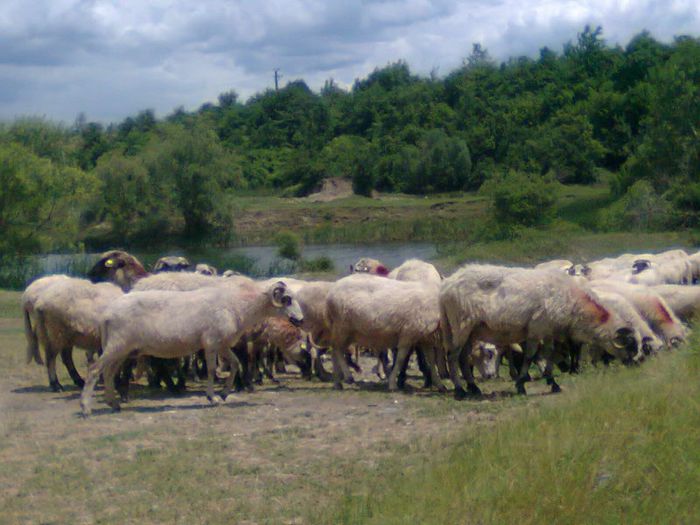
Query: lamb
(175, 324)
(382, 313)
(279, 335)
(68, 314)
(510, 305)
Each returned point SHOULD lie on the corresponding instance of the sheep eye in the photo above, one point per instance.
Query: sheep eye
(286, 300)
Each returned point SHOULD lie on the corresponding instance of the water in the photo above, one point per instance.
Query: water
(259, 261)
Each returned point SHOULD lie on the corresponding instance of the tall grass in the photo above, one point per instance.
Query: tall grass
(619, 446)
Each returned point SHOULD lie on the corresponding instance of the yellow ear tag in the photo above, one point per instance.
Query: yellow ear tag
(109, 263)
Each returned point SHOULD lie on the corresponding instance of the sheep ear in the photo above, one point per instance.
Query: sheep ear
(382, 270)
(278, 293)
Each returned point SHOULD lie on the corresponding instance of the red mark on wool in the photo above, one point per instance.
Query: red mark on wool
(598, 309)
(665, 316)
(382, 270)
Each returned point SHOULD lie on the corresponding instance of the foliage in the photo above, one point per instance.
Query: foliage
(288, 245)
(634, 111)
(519, 199)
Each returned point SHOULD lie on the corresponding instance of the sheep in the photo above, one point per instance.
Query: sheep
(645, 337)
(368, 265)
(509, 305)
(172, 263)
(683, 300)
(416, 270)
(28, 301)
(563, 265)
(205, 269)
(118, 267)
(311, 296)
(176, 324)
(382, 313)
(185, 281)
(651, 307)
(68, 315)
(279, 335)
(669, 267)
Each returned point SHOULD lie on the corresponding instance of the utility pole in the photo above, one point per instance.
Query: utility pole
(277, 79)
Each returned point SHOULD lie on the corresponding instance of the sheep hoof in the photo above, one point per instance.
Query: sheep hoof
(215, 400)
(56, 386)
(460, 394)
(80, 384)
(116, 407)
(556, 389)
(474, 391)
(337, 386)
(520, 387)
(442, 389)
(350, 380)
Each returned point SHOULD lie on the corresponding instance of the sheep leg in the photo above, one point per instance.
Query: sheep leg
(529, 352)
(453, 355)
(399, 362)
(51, 355)
(67, 358)
(210, 356)
(317, 365)
(235, 369)
(441, 362)
(547, 374)
(112, 366)
(424, 367)
(340, 368)
(269, 362)
(431, 368)
(93, 376)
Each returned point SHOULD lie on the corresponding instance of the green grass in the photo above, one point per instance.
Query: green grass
(616, 447)
(537, 245)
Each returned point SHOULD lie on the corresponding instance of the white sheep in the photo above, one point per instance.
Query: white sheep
(170, 324)
(382, 313)
(683, 300)
(651, 306)
(68, 314)
(28, 301)
(510, 305)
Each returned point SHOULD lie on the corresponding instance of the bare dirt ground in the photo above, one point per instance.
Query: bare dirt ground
(281, 454)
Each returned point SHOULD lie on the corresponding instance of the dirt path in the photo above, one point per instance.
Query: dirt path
(279, 454)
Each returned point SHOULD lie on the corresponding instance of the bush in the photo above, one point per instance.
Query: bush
(320, 264)
(640, 208)
(288, 245)
(519, 199)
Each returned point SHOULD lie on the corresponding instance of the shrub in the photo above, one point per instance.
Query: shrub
(521, 199)
(288, 245)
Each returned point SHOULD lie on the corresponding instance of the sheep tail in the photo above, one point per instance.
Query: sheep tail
(32, 340)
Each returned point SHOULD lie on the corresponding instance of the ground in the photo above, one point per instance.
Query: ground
(282, 454)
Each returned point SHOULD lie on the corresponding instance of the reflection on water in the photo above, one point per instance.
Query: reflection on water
(259, 260)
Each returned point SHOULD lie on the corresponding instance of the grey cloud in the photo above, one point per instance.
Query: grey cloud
(110, 60)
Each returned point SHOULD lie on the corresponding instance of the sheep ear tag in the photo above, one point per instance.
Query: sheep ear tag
(109, 263)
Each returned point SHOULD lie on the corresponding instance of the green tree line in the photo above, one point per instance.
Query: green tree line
(633, 111)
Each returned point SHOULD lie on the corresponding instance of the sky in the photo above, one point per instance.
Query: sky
(111, 59)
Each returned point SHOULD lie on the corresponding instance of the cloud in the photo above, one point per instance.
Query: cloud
(113, 59)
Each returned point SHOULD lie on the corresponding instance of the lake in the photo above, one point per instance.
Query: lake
(259, 261)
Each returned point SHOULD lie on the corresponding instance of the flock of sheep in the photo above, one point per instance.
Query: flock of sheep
(623, 308)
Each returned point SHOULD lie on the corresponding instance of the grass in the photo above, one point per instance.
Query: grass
(616, 447)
